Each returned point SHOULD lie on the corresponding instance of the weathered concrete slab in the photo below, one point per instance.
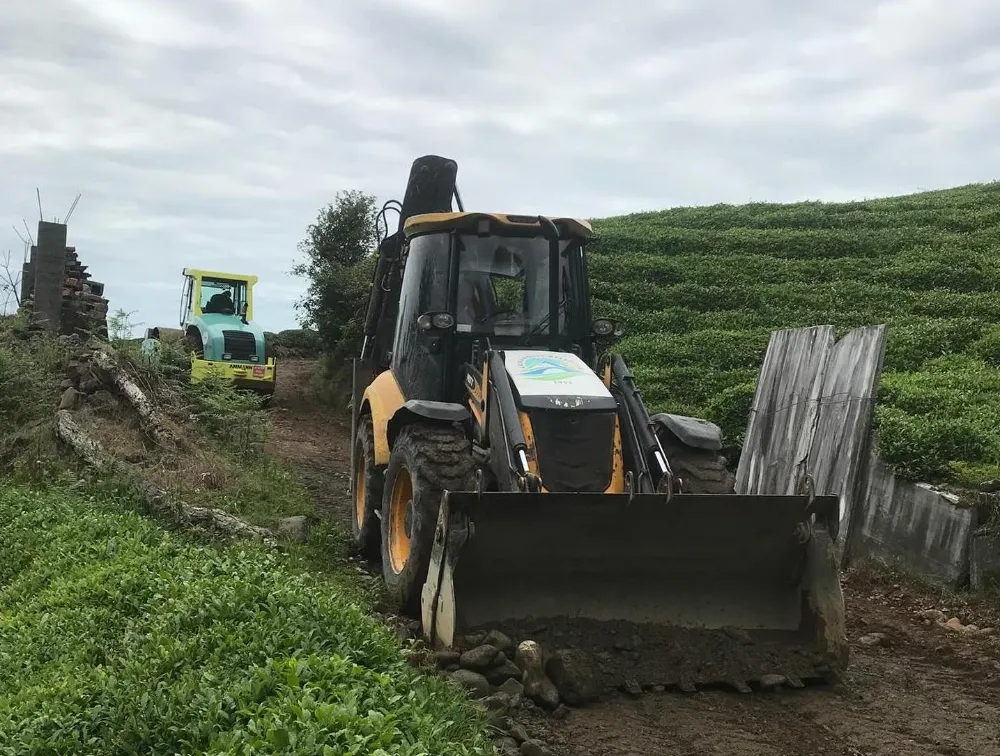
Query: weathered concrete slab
(839, 454)
(912, 525)
(984, 560)
(812, 413)
(784, 411)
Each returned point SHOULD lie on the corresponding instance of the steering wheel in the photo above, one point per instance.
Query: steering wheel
(499, 315)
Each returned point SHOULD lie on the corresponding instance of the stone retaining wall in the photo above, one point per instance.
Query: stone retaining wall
(84, 308)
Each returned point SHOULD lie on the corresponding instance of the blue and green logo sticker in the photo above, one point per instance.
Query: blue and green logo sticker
(548, 368)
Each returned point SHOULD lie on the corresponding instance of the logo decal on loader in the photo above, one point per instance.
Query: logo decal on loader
(548, 368)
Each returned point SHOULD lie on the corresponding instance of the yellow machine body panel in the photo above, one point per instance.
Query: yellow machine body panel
(241, 374)
(477, 398)
(502, 222)
(199, 274)
(382, 398)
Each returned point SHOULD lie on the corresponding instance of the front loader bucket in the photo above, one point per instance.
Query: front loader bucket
(697, 590)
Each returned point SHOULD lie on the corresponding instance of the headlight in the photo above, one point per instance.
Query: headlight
(443, 320)
(603, 327)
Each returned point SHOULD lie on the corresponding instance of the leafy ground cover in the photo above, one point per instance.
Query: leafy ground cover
(120, 634)
(700, 289)
(117, 637)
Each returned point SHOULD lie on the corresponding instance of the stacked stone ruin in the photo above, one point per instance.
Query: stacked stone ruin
(84, 308)
(57, 289)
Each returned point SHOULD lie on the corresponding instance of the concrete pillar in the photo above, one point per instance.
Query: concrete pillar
(50, 271)
(984, 560)
(28, 277)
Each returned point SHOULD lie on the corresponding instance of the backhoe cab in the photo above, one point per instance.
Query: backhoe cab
(506, 471)
(216, 314)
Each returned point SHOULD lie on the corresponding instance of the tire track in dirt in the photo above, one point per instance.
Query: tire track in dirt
(927, 690)
(313, 439)
(923, 690)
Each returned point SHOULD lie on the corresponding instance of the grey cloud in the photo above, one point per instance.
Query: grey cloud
(411, 48)
(209, 133)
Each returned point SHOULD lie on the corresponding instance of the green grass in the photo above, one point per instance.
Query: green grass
(120, 634)
(700, 289)
(31, 370)
(117, 637)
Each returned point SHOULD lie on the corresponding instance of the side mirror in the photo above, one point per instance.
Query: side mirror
(243, 309)
(605, 327)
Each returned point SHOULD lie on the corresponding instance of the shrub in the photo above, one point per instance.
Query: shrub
(31, 368)
(987, 347)
(911, 341)
(923, 447)
(730, 410)
(301, 340)
(233, 417)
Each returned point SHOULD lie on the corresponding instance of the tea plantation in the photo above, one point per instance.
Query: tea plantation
(700, 290)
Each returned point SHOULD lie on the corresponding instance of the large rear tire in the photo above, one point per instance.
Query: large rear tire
(703, 471)
(368, 485)
(426, 459)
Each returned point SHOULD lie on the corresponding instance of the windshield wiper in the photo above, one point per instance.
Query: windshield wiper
(544, 322)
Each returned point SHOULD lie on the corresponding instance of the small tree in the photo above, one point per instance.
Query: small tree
(338, 248)
(10, 285)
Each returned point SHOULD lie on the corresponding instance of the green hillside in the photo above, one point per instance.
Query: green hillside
(700, 290)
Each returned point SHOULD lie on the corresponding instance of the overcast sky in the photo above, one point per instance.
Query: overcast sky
(209, 132)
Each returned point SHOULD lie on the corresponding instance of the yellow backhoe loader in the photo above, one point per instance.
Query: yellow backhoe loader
(509, 476)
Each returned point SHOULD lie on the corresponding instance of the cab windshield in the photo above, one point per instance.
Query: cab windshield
(504, 284)
(222, 296)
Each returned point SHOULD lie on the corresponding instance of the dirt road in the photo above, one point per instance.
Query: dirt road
(915, 687)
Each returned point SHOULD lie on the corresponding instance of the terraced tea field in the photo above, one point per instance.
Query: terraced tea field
(700, 289)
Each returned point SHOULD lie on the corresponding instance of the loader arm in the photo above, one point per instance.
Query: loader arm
(516, 449)
(430, 189)
(647, 460)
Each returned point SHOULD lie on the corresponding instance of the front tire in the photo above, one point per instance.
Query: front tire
(368, 484)
(426, 460)
(193, 342)
(703, 471)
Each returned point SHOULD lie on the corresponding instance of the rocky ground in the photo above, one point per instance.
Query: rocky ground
(924, 675)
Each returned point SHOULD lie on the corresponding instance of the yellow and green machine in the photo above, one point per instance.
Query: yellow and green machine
(216, 314)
